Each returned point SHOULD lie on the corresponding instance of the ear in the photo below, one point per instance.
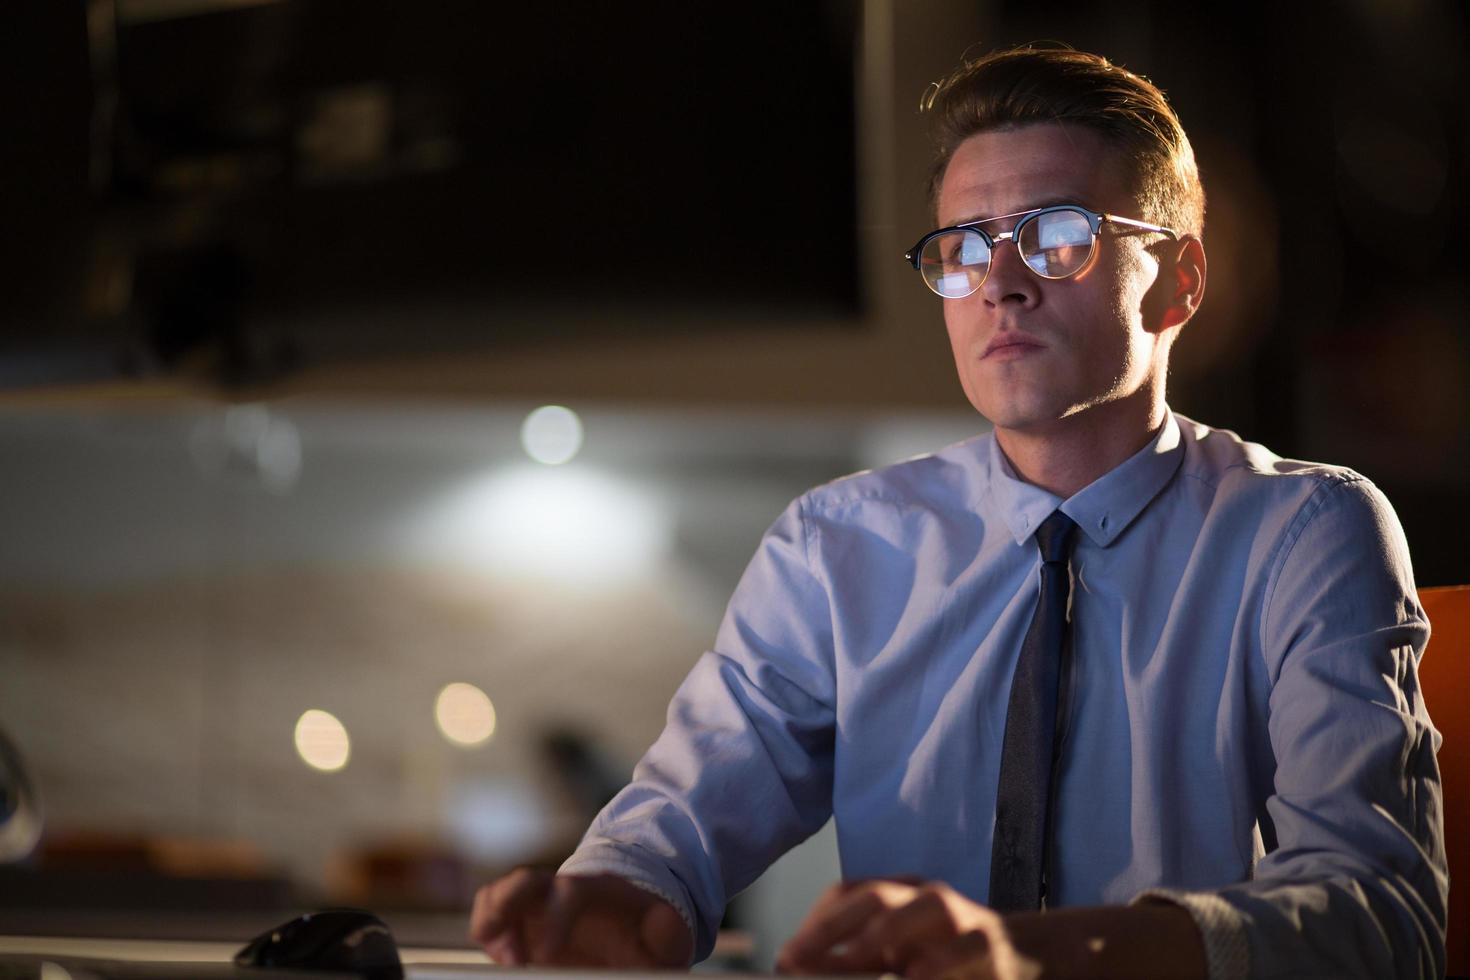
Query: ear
(1182, 285)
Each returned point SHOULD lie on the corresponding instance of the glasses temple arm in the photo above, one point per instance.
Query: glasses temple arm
(1115, 219)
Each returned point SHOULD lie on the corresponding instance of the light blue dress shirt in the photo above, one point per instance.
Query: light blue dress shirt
(1246, 734)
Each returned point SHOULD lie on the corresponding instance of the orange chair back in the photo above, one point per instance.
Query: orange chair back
(1444, 674)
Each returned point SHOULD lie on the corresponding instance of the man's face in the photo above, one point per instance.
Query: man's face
(1033, 351)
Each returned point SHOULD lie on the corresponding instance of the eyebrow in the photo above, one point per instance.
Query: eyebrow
(1051, 200)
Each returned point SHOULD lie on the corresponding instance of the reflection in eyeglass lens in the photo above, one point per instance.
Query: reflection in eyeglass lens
(955, 263)
(1056, 244)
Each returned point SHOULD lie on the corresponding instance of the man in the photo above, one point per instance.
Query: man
(1104, 692)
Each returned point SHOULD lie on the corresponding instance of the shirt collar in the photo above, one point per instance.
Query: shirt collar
(1103, 508)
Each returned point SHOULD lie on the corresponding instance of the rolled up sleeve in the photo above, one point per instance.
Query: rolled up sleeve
(1356, 884)
(743, 768)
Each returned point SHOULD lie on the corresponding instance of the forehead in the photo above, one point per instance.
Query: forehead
(1008, 170)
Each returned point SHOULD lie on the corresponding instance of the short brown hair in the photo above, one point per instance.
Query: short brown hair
(1026, 85)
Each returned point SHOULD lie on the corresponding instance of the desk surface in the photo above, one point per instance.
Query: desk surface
(87, 958)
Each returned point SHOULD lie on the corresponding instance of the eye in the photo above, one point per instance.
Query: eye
(973, 250)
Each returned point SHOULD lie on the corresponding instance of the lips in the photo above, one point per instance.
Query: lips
(1011, 344)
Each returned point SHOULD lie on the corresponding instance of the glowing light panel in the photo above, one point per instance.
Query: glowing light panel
(565, 523)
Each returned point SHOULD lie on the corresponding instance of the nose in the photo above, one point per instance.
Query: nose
(1009, 281)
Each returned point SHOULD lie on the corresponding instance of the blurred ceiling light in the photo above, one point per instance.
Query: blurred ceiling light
(570, 524)
(346, 133)
(321, 741)
(464, 714)
(552, 434)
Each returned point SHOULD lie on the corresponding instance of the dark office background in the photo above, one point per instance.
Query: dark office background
(258, 190)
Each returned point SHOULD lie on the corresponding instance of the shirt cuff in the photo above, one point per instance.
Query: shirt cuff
(1227, 950)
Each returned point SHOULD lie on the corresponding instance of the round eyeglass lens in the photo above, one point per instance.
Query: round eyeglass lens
(1056, 244)
(954, 263)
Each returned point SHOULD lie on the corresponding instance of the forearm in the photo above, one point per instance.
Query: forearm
(1303, 917)
(1139, 941)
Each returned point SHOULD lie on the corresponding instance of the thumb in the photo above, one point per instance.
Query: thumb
(665, 936)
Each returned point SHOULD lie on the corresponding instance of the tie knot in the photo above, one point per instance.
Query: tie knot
(1054, 538)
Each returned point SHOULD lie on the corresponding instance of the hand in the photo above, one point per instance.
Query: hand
(535, 917)
(923, 930)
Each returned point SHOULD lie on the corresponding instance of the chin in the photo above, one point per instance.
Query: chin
(1019, 418)
(1018, 406)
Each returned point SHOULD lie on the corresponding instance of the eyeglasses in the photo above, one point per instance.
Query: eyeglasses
(1054, 242)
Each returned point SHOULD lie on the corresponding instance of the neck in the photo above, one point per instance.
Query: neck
(1066, 455)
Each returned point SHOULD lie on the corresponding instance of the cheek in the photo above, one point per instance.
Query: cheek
(960, 326)
(953, 328)
(1136, 276)
(1120, 300)
(959, 323)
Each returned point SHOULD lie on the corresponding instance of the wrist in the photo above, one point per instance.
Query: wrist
(1140, 941)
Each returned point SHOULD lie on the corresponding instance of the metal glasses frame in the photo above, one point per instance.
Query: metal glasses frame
(1095, 221)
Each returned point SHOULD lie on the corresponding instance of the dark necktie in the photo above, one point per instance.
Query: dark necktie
(1018, 848)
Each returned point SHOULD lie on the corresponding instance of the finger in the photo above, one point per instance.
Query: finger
(835, 919)
(506, 950)
(894, 938)
(965, 957)
(507, 900)
(826, 926)
(566, 899)
(501, 907)
(665, 936)
(595, 920)
(791, 955)
(915, 880)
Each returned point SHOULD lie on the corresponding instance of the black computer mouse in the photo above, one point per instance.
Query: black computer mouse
(336, 940)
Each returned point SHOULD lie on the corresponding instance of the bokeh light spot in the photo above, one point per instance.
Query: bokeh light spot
(464, 714)
(321, 740)
(552, 434)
